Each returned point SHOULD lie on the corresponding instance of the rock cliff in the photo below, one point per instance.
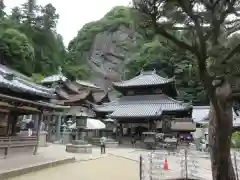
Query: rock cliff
(107, 56)
(106, 46)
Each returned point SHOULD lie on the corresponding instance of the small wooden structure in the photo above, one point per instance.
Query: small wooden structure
(20, 97)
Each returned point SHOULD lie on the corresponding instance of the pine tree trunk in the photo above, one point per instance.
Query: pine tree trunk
(220, 130)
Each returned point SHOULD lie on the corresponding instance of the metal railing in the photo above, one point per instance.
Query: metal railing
(188, 164)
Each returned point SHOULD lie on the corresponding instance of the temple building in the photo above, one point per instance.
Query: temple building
(147, 104)
(19, 97)
(79, 95)
(71, 92)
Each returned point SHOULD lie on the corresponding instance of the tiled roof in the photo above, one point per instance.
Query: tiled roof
(68, 84)
(74, 98)
(142, 106)
(18, 84)
(144, 79)
(6, 70)
(61, 93)
(101, 97)
(87, 84)
(106, 107)
(54, 78)
(137, 110)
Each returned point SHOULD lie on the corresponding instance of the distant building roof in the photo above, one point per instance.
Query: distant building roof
(145, 78)
(87, 84)
(142, 106)
(54, 78)
(101, 97)
(200, 114)
(106, 107)
(4, 69)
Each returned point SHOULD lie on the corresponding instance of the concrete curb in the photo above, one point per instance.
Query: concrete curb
(123, 157)
(91, 159)
(37, 167)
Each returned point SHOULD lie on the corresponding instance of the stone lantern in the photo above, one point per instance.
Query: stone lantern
(80, 145)
(81, 123)
(81, 120)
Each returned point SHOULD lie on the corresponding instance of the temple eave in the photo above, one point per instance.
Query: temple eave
(140, 84)
(146, 111)
(148, 78)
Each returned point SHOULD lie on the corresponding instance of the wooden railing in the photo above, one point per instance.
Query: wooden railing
(7, 143)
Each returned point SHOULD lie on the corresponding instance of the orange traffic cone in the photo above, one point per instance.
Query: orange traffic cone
(165, 167)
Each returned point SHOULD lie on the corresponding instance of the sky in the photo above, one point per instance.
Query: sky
(74, 13)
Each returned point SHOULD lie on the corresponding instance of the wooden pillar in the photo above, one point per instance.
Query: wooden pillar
(120, 134)
(40, 119)
(6, 133)
(14, 123)
(9, 126)
(58, 127)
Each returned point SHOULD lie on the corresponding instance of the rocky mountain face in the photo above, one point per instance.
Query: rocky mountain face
(107, 55)
(106, 46)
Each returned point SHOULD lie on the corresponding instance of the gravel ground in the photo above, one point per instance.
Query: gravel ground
(107, 168)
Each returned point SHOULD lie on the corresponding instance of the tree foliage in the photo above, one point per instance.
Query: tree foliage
(207, 26)
(149, 52)
(170, 61)
(30, 44)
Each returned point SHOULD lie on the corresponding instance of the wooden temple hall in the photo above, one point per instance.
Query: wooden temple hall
(19, 97)
(147, 104)
(79, 96)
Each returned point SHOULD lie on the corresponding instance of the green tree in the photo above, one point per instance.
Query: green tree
(29, 14)
(208, 26)
(2, 7)
(49, 17)
(17, 51)
(169, 60)
(29, 41)
(16, 15)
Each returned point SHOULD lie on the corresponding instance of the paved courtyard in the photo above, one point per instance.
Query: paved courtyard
(117, 163)
(107, 168)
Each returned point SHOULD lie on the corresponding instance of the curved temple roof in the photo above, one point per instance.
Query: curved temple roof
(18, 84)
(142, 106)
(146, 78)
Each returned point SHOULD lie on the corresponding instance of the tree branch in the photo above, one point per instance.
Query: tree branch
(231, 54)
(175, 40)
(188, 9)
(218, 21)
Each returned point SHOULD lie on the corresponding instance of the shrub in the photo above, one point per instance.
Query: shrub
(236, 139)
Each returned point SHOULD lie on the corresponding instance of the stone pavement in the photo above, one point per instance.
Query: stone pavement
(124, 157)
(107, 168)
(14, 166)
(46, 157)
(58, 151)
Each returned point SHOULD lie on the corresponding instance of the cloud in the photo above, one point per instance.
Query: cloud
(74, 13)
